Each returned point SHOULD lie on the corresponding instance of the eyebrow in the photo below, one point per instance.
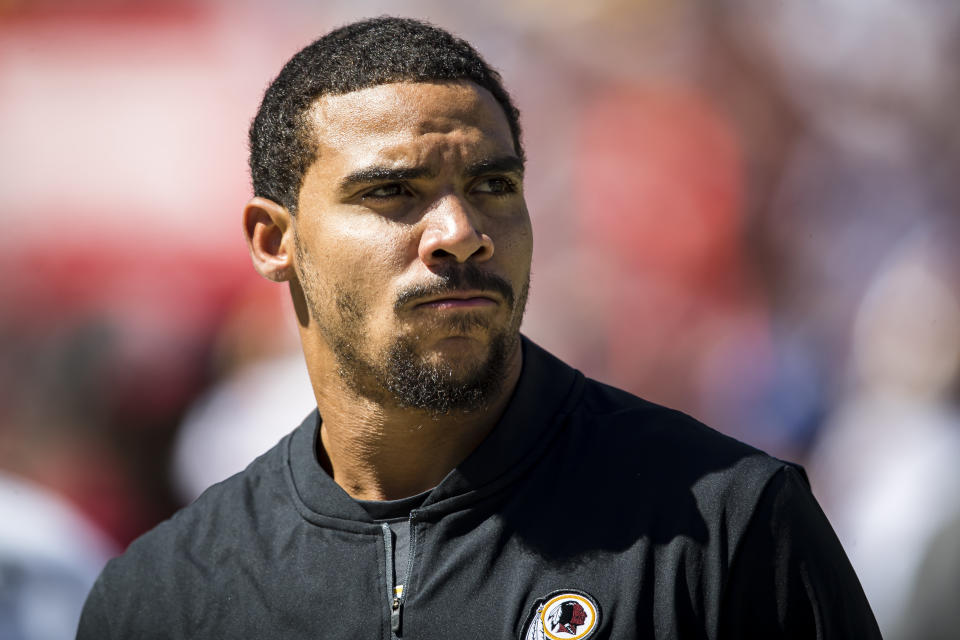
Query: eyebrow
(383, 174)
(502, 164)
(367, 175)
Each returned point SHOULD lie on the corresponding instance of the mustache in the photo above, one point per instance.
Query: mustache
(454, 279)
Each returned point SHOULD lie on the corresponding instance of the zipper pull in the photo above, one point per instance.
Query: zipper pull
(395, 615)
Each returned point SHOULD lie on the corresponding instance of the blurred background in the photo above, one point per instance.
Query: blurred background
(748, 210)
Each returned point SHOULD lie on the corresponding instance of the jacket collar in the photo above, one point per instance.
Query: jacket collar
(544, 395)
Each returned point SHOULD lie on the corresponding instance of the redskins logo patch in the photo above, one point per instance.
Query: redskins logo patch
(562, 615)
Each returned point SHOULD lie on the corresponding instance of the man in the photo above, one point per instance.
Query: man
(456, 481)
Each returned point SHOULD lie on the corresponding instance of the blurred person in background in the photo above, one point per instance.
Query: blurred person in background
(899, 415)
(452, 460)
(859, 244)
(931, 611)
(50, 555)
(105, 327)
(261, 388)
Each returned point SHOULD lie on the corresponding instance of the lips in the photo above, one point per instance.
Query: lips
(457, 283)
(458, 300)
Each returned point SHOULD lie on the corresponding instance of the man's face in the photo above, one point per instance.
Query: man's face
(413, 243)
(579, 615)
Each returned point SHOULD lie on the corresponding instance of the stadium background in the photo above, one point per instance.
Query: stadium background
(747, 210)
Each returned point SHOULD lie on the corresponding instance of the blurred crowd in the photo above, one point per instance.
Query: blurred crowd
(744, 209)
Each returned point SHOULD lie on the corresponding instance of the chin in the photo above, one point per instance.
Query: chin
(456, 375)
(454, 349)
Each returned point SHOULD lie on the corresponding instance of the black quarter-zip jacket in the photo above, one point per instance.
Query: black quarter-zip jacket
(671, 529)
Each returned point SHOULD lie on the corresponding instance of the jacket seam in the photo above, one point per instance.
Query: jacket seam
(738, 547)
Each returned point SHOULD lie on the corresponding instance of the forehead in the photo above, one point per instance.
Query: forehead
(408, 121)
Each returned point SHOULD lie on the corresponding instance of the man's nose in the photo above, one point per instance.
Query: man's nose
(451, 233)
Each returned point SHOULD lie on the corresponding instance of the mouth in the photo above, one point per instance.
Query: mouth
(466, 287)
(455, 300)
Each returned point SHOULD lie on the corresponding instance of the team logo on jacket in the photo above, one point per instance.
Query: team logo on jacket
(562, 615)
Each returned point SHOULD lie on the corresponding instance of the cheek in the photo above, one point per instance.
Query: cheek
(367, 260)
(360, 244)
(515, 246)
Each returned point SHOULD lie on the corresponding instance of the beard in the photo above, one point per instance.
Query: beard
(408, 380)
(399, 375)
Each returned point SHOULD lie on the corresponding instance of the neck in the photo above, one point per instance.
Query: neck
(376, 450)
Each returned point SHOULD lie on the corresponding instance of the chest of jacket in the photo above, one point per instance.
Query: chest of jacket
(483, 572)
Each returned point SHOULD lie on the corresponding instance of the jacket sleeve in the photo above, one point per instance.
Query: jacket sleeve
(789, 577)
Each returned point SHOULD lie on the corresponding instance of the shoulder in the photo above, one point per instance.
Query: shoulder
(790, 574)
(190, 552)
(680, 474)
(226, 510)
(667, 438)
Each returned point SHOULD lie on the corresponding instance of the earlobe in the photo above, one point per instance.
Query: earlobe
(269, 233)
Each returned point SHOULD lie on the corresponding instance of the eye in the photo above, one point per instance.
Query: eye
(385, 191)
(496, 185)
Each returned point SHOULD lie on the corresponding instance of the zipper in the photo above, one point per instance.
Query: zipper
(391, 588)
(396, 601)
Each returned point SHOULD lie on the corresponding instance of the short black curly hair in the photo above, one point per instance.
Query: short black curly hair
(359, 55)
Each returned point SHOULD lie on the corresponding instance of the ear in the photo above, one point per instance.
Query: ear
(269, 231)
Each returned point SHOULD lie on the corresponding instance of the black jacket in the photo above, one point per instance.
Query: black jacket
(582, 495)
